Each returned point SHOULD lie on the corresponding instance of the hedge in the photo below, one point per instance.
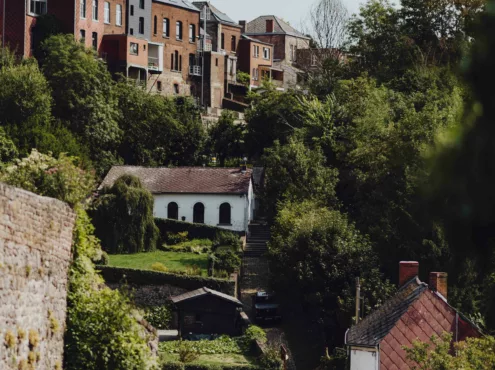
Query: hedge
(195, 231)
(181, 366)
(144, 277)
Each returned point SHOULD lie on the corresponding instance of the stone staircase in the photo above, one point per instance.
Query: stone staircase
(256, 243)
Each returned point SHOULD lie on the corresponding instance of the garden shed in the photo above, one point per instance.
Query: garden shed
(206, 311)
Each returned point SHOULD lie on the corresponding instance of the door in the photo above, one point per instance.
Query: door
(199, 213)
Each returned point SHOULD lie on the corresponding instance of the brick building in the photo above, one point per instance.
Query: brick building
(82, 18)
(286, 41)
(256, 58)
(417, 312)
(221, 59)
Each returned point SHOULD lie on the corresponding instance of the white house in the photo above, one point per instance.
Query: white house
(222, 197)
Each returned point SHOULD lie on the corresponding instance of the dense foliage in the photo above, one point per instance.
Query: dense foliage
(123, 217)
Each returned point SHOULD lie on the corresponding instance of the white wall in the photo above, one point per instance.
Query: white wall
(241, 207)
(364, 359)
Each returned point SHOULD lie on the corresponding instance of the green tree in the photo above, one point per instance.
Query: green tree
(296, 173)
(226, 138)
(8, 150)
(88, 103)
(123, 217)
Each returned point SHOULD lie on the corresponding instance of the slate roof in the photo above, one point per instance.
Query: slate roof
(187, 180)
(374, 327)
(202, 292)
(219, 16)
(179, 3)
(258, 27)
(246, 37)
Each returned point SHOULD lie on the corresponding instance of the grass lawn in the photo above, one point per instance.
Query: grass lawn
(172, 260)
(220, 359)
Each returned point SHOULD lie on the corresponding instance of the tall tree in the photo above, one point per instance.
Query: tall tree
(226, 138)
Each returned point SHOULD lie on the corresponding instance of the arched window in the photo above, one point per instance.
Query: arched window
(199, 213)
(225, 214)
(173, 211)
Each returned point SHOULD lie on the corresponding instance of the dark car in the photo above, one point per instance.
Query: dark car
(265, 308)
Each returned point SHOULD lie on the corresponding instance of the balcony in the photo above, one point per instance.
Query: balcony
(155, 58)
(195, 70)
(207, 48)
(154, 64)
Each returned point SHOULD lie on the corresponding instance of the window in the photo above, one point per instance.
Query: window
(180, 62)
(141, 4)
(95, 10)
(255, 74)
(155, 25)
(172, 208)
(107, 12)
(295, 53)
(82, 36)
(82, 10)
(208, 13)
(291, 56)
(38, 7)
(192, 33)
(141, 25)
(132, 9)
(266, 53)
(176, 91)
(233, 43)
(94, 40)
(166, 27)
(199, 210)
(313, 60)
(118, 16)
(134, 48)
(131, 31)
(224, 218)
(176, 61)
(216, 62)
(172, 61)
(178, 30)
(222, 45)
(159, 88)
(256, 51)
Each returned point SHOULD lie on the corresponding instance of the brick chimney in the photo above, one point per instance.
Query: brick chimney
(269, 26)
(438, 282)
(407, 271)
(243, 25)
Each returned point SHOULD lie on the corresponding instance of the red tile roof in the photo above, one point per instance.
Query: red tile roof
(187, 180)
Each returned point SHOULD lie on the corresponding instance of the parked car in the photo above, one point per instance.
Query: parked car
(265, 308)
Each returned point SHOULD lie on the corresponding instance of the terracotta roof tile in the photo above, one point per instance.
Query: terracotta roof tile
(187, 180)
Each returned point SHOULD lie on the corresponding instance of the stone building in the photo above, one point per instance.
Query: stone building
(286, 41)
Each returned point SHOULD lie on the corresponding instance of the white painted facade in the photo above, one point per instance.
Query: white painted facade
(241, 207)
(364, 358)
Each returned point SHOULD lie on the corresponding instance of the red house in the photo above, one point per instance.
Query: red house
(416, 312)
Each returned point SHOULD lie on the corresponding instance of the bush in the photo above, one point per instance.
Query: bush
(103, 261)
(158, 266)
(159, 316)
(172, 366)
(254, 333)
(228, 239)
(226, 260)
(197, 246)
(195, 231)
(180, 237)
(187, 352)
(219, 346)
(270, 359)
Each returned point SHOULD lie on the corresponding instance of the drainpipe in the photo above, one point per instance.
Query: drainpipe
(203, 58)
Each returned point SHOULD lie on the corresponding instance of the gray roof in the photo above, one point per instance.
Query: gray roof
(202, 292)
(179, 3)
(374, 327)
(246, 37)
(219, 16)
(258, 27)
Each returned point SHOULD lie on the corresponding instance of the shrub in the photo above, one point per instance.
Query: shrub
(103, 261)
(226, 260)
(229, 240)
(195, 231)
(187, 352)
(178, 238)
(158, 266)
(254, 333)
(159, 316)
(173, 366)
(270, 359)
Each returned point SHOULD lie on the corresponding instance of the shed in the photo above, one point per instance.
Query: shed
(206, 311)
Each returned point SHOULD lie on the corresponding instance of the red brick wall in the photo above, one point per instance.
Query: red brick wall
(429, 315)
(118, 49)
(112, 28)
(247, 61)
(14, 25)
(278, 41)
(88, 24)
(230, 31)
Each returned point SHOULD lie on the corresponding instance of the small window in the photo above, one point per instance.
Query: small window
(192, 33)
(95, 10)
(233, 43)
(166, 27)
(255, 74)
(176, 61)
(118, 15)
(172, 61)
(141, 4)
(82, 10)
(172, 208)
(132, 9)
(82, 36)
(159, 88)
(134, 48)
(107, 12)
(95, 40)
(225, 214)
(256, 51)
(223, 42)
(37, 7)
(131, 31)
(141, 25)
(155, 25)
(216, 62)
(180, 63)
(176, 91)
(266, 53)
(178, 30)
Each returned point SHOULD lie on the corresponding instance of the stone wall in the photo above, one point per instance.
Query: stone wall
(35, 254)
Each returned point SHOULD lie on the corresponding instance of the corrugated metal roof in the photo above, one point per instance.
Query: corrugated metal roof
(180, 3)
(204, 292)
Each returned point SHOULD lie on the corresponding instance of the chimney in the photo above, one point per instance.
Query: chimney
(269, 26)
(243, 25)
(438, 282)
(407, 271)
